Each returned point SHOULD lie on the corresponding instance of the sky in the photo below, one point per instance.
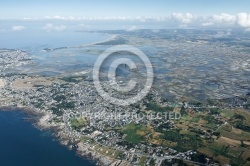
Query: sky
(14, 9)
(58, 15)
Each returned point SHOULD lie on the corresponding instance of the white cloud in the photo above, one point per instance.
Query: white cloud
(51, 27)
(222, 18)
(55, 17)
(18, 28)
(207, 23)
(184, 18)
(84, 25)
(132, 28)
(243, 19)
(175, 19)
(59, 28)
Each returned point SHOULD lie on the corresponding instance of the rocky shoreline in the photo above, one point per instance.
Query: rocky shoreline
(41, 122)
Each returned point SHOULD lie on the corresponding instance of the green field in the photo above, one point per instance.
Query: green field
(135, 133)
(78, 123)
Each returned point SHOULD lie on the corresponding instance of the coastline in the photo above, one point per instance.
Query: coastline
(65, 138)
(41, 121)
(25, 110)
(113, 37)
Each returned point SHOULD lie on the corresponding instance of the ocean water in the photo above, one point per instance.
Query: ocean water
(36, 40)
(24, 145)
(69, 50)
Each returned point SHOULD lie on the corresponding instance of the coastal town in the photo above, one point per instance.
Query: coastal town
(158, 130)
(80, 117)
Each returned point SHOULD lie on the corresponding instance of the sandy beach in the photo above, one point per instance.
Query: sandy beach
(42, 123)
(2, 83)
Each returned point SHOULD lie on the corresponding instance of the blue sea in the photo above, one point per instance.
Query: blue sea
(21, 144)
